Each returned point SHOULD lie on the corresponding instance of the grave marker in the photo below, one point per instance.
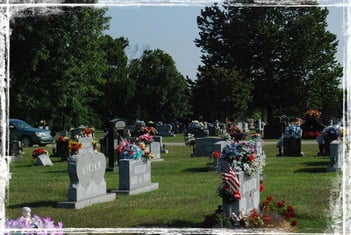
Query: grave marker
(164, 130)
(87, 183)
(336, 152)
(43, 160)
(135, 177)
(250, 195)
(207, 145)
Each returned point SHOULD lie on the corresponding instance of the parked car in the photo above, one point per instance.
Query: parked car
(29, 135)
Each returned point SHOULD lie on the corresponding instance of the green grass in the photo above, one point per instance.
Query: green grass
(186, 194)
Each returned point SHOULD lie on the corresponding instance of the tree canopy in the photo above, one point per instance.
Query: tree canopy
(65, 70)
(286, 53)
(159, 87)
(56, 70)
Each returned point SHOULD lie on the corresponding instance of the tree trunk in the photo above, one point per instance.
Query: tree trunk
(269, 114)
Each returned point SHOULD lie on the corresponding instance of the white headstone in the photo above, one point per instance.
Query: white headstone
(44, 160)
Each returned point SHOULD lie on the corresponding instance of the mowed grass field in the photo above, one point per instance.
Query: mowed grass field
(186, 194)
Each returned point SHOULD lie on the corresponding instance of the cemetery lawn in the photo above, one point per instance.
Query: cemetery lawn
(186, 194)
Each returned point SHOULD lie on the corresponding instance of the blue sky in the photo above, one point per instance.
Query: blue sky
(173, 29)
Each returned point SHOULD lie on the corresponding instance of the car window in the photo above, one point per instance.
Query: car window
(21, 125)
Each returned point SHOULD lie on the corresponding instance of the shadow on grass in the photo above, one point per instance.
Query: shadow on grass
(56, 172)
(35, 204)
(319, 163)
(313, 170)
(175, 224)
(197, 169)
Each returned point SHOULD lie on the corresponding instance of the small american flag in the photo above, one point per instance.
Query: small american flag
(229, 178)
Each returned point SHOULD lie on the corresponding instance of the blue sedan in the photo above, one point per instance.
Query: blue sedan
(29, 135)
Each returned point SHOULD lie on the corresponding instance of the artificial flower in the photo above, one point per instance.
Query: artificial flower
(74, 145)
(39, 151)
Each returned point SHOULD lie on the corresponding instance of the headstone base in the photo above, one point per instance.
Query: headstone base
(333, 168)
(147, 188)
(157, 160)
(292, 147)
(336, 160)
(87, 202)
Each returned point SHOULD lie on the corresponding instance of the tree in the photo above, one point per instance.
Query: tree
(285, 52)
(221, 94)
(119, 88)
(56, 70)
(161, 91)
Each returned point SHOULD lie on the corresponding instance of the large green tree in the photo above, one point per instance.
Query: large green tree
(220, 93)
(55, 67)
(285, 52)
(119, 89)
(161, 91)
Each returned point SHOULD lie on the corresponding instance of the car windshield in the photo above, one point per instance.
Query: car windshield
(21, 124)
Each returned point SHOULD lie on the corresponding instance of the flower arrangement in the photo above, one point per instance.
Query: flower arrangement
(216, 154)
(95, 144)
(74, 146)
(62, 139)
(273, 214)
(234, 130)
(227, 194)
(146, 138)
(146, 152)
(313, 113)
(189, 139)
(293, 131)
(128, 150)
(242, 156)
(36, 225)
(226, 136)
(311, 134)
(87, 132)
(151, 130)
(146, 130)
(256, 136)
(236, 133)
(39, 151)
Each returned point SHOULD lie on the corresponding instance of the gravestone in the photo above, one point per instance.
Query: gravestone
(155, 149)
(164, 130)
(62, 149)
(336, 152)
(328, 139)
(135, 177)
(250, 195)
(211, 129)
(272, 131)
(218, 146)
(158, 138)
(15, 148)
(43, 160)
(77, 132)
(244, 126)
(292, 146)
(87, 183)
(258, 127)
(115, 137)
(63, 133)
(259, 151)
(206, 146)
(155, 146)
